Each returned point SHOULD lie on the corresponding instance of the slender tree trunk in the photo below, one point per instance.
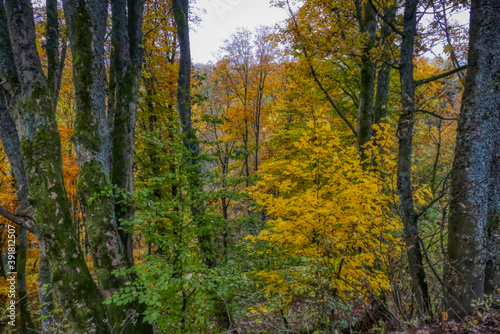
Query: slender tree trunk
(11, 145)
(2, 264)
(52, 45)
(247, 154)
(404, 183)
(55, 65)
(472, 167)
(258, 111)
(27, 325)
(384, 73)
(257, 133)
(368, 23)
(189, 133)
(436, 158)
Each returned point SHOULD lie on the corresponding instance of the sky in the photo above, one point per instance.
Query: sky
(221, 19)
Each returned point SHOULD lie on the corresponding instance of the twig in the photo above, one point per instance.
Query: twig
(436, 115)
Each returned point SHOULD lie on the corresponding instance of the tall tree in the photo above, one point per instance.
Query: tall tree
(405, 134)
(384, 72)
(190, 140)
(11, 146)
(125, 79)
(368, 27)
(41, 152)
(92, 136)
(40, 146)
(240, 57)
(475, 161)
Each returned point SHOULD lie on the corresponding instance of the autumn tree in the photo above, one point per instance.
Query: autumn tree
(51, 220)
(40, 151)
(367, 40)
(472, 250)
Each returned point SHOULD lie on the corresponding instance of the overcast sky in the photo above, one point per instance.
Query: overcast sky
(223, 17)
(221, 20)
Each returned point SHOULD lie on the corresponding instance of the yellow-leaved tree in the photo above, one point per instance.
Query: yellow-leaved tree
(329, 218)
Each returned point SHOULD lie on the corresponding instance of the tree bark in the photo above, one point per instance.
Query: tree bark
(474, 157)
(52, 45)
(10, 140)
(384, 73)
(87, 27)
(404, 183)
(11, 143)
(126, 39)
(368, 24)
(11, 146)
(190, 140)
(55, 66)
(41, 152)
(492, 231)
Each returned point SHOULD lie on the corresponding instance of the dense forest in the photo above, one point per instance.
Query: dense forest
(338, 172)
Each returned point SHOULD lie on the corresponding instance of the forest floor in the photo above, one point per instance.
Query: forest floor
(485, 322)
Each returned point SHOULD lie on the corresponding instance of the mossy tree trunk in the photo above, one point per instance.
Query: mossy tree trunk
(87, 27)
(11, 86)
(126, 63)
(475, 162)
(11, 146)
(55, 62)
(10, 139)
(41, 152)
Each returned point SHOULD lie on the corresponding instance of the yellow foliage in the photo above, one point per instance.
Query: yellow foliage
(326, 208)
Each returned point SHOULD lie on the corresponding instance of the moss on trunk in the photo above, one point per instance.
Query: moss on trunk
(71, 279)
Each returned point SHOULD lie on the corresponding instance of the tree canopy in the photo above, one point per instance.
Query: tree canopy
(337, 172)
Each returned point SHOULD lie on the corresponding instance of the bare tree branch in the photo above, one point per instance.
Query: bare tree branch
(27, 222)
(329, 98)
(440, 76)
(436, 115)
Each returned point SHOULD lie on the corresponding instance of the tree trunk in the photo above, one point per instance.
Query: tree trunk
(11, 146)
(87, 26)
(436, 158)
(55, 66)
(127, 58)
(491, 247)
(52, 45)
(472, 167)
(404, 183)
(45, 295)
(190, 140)
(10, 139)
(41, 151)
(368, 23)
(384, 73)
(27, 324)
